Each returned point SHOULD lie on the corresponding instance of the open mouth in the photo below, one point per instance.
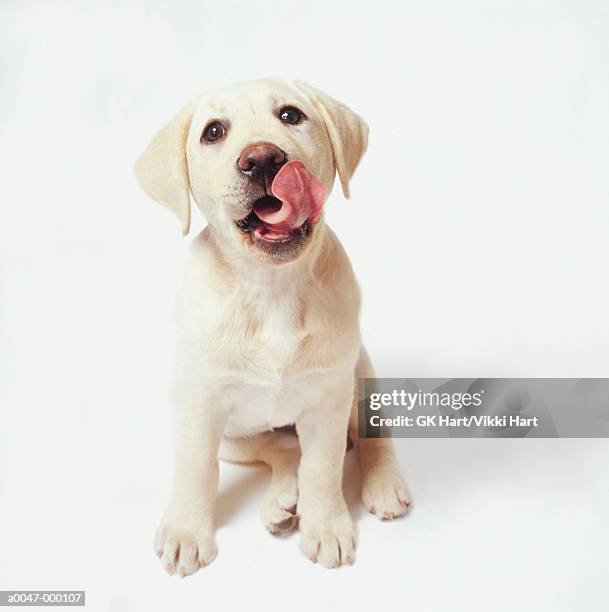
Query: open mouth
(252, 224)
(281, 223)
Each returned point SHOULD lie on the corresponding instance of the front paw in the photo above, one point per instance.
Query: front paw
(185, 541)
(328, 537)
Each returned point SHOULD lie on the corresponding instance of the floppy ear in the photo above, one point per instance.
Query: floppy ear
(162, 171)
(347, 131)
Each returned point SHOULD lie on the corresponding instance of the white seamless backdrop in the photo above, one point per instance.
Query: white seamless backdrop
(478, 229)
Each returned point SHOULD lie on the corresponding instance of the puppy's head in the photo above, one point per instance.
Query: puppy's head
(259, 159)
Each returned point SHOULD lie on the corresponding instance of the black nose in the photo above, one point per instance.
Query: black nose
(261, 162)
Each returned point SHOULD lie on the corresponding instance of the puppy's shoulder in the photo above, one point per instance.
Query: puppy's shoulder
(203, 267)
(201, 278)
(201, 249)
(333, 270)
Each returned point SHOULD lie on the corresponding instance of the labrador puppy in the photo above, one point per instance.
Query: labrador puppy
(268, 318)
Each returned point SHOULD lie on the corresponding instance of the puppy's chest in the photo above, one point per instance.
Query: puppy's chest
(256, 360)
(278, 332)
(258, 340)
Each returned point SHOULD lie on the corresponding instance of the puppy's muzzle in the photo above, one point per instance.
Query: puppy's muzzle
(260, 162)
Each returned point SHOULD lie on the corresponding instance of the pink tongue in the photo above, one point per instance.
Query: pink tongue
(302, 197)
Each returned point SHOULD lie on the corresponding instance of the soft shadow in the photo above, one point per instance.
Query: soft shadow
(232, 497)
(255, 477)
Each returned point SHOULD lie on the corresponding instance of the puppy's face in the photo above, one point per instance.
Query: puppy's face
(239, 139)
(227, 148)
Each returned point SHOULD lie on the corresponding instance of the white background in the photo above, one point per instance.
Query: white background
(478, 229)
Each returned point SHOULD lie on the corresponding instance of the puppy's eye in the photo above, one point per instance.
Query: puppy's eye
(291, 115)
(213, 132)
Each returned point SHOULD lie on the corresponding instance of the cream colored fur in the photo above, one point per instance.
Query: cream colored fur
(263, 345)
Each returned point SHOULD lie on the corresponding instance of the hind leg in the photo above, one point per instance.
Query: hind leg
(384, 492)
(281, 452)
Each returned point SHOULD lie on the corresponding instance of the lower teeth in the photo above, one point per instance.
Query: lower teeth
(248, 224)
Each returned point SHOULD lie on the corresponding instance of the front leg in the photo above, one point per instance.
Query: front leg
(328, 533)
(185, 538)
